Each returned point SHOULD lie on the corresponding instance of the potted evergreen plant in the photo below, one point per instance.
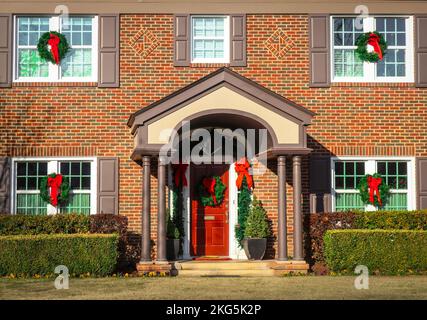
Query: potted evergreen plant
(173, 239)
(256, 232)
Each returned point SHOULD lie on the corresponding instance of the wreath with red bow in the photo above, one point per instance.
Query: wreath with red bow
(211, 191)
(59, 189)
(374, 39)
(373, 190)
(58, 46)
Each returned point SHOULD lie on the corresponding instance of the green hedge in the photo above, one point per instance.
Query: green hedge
(406, 220)
(26, 255)
(316, 224)
(50, 224)
(382, 251)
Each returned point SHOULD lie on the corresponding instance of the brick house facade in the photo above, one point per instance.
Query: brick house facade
(361, 125)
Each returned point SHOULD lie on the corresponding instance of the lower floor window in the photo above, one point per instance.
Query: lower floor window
(80, 174)
(348, 172)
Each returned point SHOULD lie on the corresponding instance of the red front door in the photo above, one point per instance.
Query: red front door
(209, 225)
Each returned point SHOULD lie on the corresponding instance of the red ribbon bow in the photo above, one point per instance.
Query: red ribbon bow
(53, 42)
(242, 169)
(179, 174)
(209, 184)
(374, 40)
(373, 184)
(54, 184)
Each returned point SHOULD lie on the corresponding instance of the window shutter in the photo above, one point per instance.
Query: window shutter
(238, 40)
(182, 30)
(421, 51)
(5, 185)
(5, 50)
(422, 183)
(320, 73)
(320, 184)
(109, 51)
(108, 185)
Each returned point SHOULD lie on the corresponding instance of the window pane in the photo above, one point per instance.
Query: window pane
(338, 24)
(21, 183)
(339, 183)
(86, 168)
(381, 168)
(360, 168)
(21, 168)
(350, 183)
(208, 37)
(347, 63)
(30, 204)
(75, 168)
(394, 32)
(402, 168)
(65, 168)
(349, 168)
(30, 64)
(397, 201)
(78, 63)
(86, 183)
(75, 183)
(79, 203)
(347, 201)
(339, 168)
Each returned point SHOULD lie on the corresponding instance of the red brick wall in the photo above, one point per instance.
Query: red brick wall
(350, 119)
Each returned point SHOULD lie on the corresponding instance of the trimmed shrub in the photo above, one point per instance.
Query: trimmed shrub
(316, 224)
(406, 220)
(257, 221)
(382, 251)
(27, 255)
(62, 223)
(51, 224)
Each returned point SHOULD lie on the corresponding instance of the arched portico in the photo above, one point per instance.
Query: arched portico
(222, 100)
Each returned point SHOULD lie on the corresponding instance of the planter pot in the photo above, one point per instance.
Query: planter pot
(172, 249)
(255, 248)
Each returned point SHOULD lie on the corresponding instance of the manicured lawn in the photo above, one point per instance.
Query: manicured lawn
(309, 287)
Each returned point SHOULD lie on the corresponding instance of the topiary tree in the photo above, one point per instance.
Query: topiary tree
(244, 202)
(257, 222)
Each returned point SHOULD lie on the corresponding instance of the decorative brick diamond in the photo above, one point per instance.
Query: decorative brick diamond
(144, 42)
(279, 43)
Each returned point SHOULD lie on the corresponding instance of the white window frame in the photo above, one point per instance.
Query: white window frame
(370, 69)
(370, 168)
(55, 70)
(53, 167)
(226, 38)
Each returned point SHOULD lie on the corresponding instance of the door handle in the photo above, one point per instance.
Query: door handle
(226, 216)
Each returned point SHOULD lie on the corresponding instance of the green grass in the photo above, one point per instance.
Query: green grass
(308, 287)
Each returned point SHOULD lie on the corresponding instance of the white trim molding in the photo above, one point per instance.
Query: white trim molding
(370, 168)
(55, 70)
(370, 69)
(53, 166)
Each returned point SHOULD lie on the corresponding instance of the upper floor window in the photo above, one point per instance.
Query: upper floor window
(80, 64)
(210, 38)
(396, 66)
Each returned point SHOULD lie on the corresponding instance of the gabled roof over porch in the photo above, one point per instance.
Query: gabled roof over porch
(223, 95)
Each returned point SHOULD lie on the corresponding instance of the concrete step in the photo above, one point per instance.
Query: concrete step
(226, 273)
(224, 265)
